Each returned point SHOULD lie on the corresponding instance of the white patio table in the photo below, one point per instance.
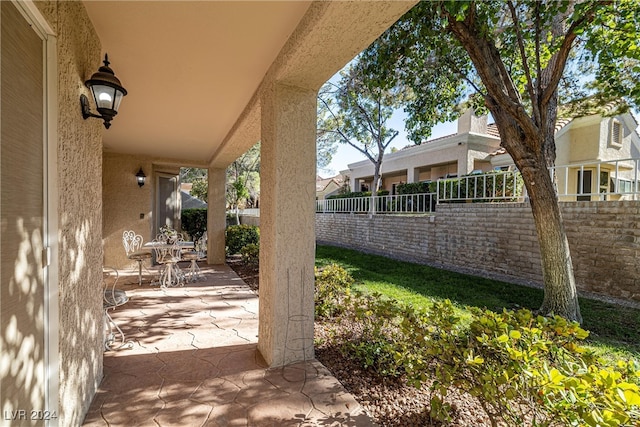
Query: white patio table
(169, 255)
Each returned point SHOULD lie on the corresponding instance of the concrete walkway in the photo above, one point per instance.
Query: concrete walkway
(193, 361)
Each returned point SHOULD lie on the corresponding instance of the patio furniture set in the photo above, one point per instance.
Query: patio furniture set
(169, 249)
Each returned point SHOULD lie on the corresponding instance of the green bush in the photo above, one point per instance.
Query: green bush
(332, 287)
(231, 219)
(238, 236)
(194, 222)
(416, 187)
(483, 187)
(251, 254)
(523, 369)
(532, 370)
(378, 340)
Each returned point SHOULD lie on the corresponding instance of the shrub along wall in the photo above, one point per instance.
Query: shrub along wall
(499, 241)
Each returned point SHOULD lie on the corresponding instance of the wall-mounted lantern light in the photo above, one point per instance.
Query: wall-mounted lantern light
(141, 177)
(107, 94)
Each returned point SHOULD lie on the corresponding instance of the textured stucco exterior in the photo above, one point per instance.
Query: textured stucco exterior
(285, 332)
(581, 140)
(459, 154)
(588, 140)
(216, 216)
(80, 213)
(126, 205)
(282, 115)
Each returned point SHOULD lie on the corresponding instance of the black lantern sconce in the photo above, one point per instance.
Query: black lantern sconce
(107, 94)
(141, 177)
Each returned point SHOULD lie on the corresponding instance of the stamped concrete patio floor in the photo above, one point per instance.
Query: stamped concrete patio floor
(194, 362)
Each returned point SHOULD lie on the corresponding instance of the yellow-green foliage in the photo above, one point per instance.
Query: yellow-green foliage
(250, 254)
(523, 369)
(332, 288)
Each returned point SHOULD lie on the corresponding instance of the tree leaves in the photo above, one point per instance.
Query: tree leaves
(355, 111)
(421, 52)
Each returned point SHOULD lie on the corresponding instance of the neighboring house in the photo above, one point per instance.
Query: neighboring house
(593, 152)
(461, 153)
(190, 202)
(326, 187)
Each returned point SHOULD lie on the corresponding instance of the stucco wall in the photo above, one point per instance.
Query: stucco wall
(124, 204)
(80, 212)
(499, 240)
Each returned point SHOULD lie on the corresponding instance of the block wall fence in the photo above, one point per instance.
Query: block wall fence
(499, 241)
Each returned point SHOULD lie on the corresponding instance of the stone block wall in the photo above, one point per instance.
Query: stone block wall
(499, 241)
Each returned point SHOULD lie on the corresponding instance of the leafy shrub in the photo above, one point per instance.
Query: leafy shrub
(238, 236)
(332, 287)
(250, 254)
(483, 187)
(532, 370)
(194, 222)
(378, 339)
(416, 187)
(523, 369)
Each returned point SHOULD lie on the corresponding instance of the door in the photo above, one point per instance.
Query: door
(22, 210)
(168, 204)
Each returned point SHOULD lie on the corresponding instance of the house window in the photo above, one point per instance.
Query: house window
(623, 185)
(616, 134)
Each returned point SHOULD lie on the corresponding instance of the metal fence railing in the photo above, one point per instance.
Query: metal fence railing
(599, 180)
(498, 186)
(403, 203)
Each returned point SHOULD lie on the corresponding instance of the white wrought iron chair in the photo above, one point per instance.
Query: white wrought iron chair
(168, 253)
(197, 254)
(111, 299)
(132, 243)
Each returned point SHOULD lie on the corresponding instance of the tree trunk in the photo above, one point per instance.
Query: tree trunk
(560, 294)
(375, 186)
(531, 144)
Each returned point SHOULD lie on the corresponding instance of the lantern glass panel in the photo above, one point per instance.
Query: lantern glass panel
(118, 99)
(104, 96)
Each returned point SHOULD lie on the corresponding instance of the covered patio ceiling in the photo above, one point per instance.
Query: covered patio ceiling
(193, 68)
(190, 68)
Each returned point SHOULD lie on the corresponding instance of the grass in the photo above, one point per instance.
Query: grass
(614, 330)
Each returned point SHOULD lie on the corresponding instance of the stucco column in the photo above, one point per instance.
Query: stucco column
(287, 226)
(413, 175)
(216, 216)
(352, 183)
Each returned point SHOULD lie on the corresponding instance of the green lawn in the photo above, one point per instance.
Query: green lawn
(614, 330)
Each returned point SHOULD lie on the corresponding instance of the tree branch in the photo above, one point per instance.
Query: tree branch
(490, 67)
(523, 57)
(563, 52)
